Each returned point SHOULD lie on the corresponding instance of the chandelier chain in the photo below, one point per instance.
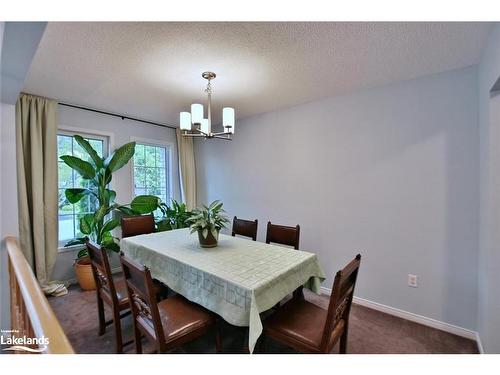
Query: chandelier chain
(208, 89)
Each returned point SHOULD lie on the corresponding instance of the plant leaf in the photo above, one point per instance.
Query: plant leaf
(109, 243)
(109, 195)
(215, 206)
(82, 253)
(76, 241)
(145, 204)
(207, 218)
(113, 246)
(100, 213)
(90, 150)
(126, 210)
(120, 157)
(86, 224)
(106, 238)
(204, 233)
(74, 195)
(110, 225)
(163, 225)
(85, 169)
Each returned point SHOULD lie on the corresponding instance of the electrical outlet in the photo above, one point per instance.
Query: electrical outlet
(412, 280)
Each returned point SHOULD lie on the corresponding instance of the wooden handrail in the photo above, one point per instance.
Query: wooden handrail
(31, 314)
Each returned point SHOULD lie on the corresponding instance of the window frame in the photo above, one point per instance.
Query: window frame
(108, 145)
(169, 149)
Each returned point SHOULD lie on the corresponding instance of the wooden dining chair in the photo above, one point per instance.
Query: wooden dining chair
(283, 235)
(109, 291)
(246, 228)
(169, 323)
(309, 328)
(136, 225)
(113, 292)
(288, 236)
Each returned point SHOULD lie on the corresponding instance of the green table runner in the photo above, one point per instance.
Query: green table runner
(237, 280)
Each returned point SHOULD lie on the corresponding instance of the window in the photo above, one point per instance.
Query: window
(152, 170)
(69, 214)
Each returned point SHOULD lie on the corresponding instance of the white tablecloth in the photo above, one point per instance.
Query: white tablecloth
(238, 279)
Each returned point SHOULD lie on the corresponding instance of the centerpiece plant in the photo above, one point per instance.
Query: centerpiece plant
(97, 174)
(208, 221)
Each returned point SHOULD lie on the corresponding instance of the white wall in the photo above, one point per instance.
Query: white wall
(4, 307)
(8, 201)
(489, 255)
(390, 172)
(18, 43)
(2, 27)
(122, 131)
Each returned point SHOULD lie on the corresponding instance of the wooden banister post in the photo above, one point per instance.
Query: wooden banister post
(31, 314)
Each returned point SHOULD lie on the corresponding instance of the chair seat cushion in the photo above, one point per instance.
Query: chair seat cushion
(297, 322)
(179, 317)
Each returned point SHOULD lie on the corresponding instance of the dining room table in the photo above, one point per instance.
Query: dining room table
(238, 279)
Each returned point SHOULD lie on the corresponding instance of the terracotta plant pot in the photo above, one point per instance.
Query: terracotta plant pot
(210, 241)
(84, 274)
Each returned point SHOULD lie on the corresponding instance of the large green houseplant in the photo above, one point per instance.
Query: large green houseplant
(208, 221)
(97, 174)
(174, 216)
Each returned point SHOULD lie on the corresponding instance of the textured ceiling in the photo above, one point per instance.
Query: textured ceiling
(153, 70)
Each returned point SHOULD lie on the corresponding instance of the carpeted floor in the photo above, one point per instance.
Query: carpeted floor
(370, 331)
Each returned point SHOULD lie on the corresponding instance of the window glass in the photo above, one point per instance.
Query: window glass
(70, 214)
(151, 174)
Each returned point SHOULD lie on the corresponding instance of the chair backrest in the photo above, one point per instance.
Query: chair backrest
(283, 235)
(136, 225)
(340, 301)
(247, 228)
(143, 300)
(102, 272)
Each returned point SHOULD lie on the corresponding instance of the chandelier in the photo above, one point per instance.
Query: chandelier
(195, 125)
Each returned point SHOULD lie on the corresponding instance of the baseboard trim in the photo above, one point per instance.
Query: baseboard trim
(479, 343)
(429, 322)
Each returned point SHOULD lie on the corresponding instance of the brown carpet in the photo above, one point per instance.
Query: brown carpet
(371, 332)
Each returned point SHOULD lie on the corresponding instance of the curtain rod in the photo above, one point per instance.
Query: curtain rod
(123, 117)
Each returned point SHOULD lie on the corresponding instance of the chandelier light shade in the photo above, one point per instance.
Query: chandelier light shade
(185, 120)
(205, 126)
(196, 113)
(195, 125)
(228, 119)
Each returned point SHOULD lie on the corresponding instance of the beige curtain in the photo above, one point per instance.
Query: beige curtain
(187, 169)
(36, 148)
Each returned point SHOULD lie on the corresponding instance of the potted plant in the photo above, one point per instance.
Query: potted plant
(98, 225)
(174, 216)
(208, 221)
